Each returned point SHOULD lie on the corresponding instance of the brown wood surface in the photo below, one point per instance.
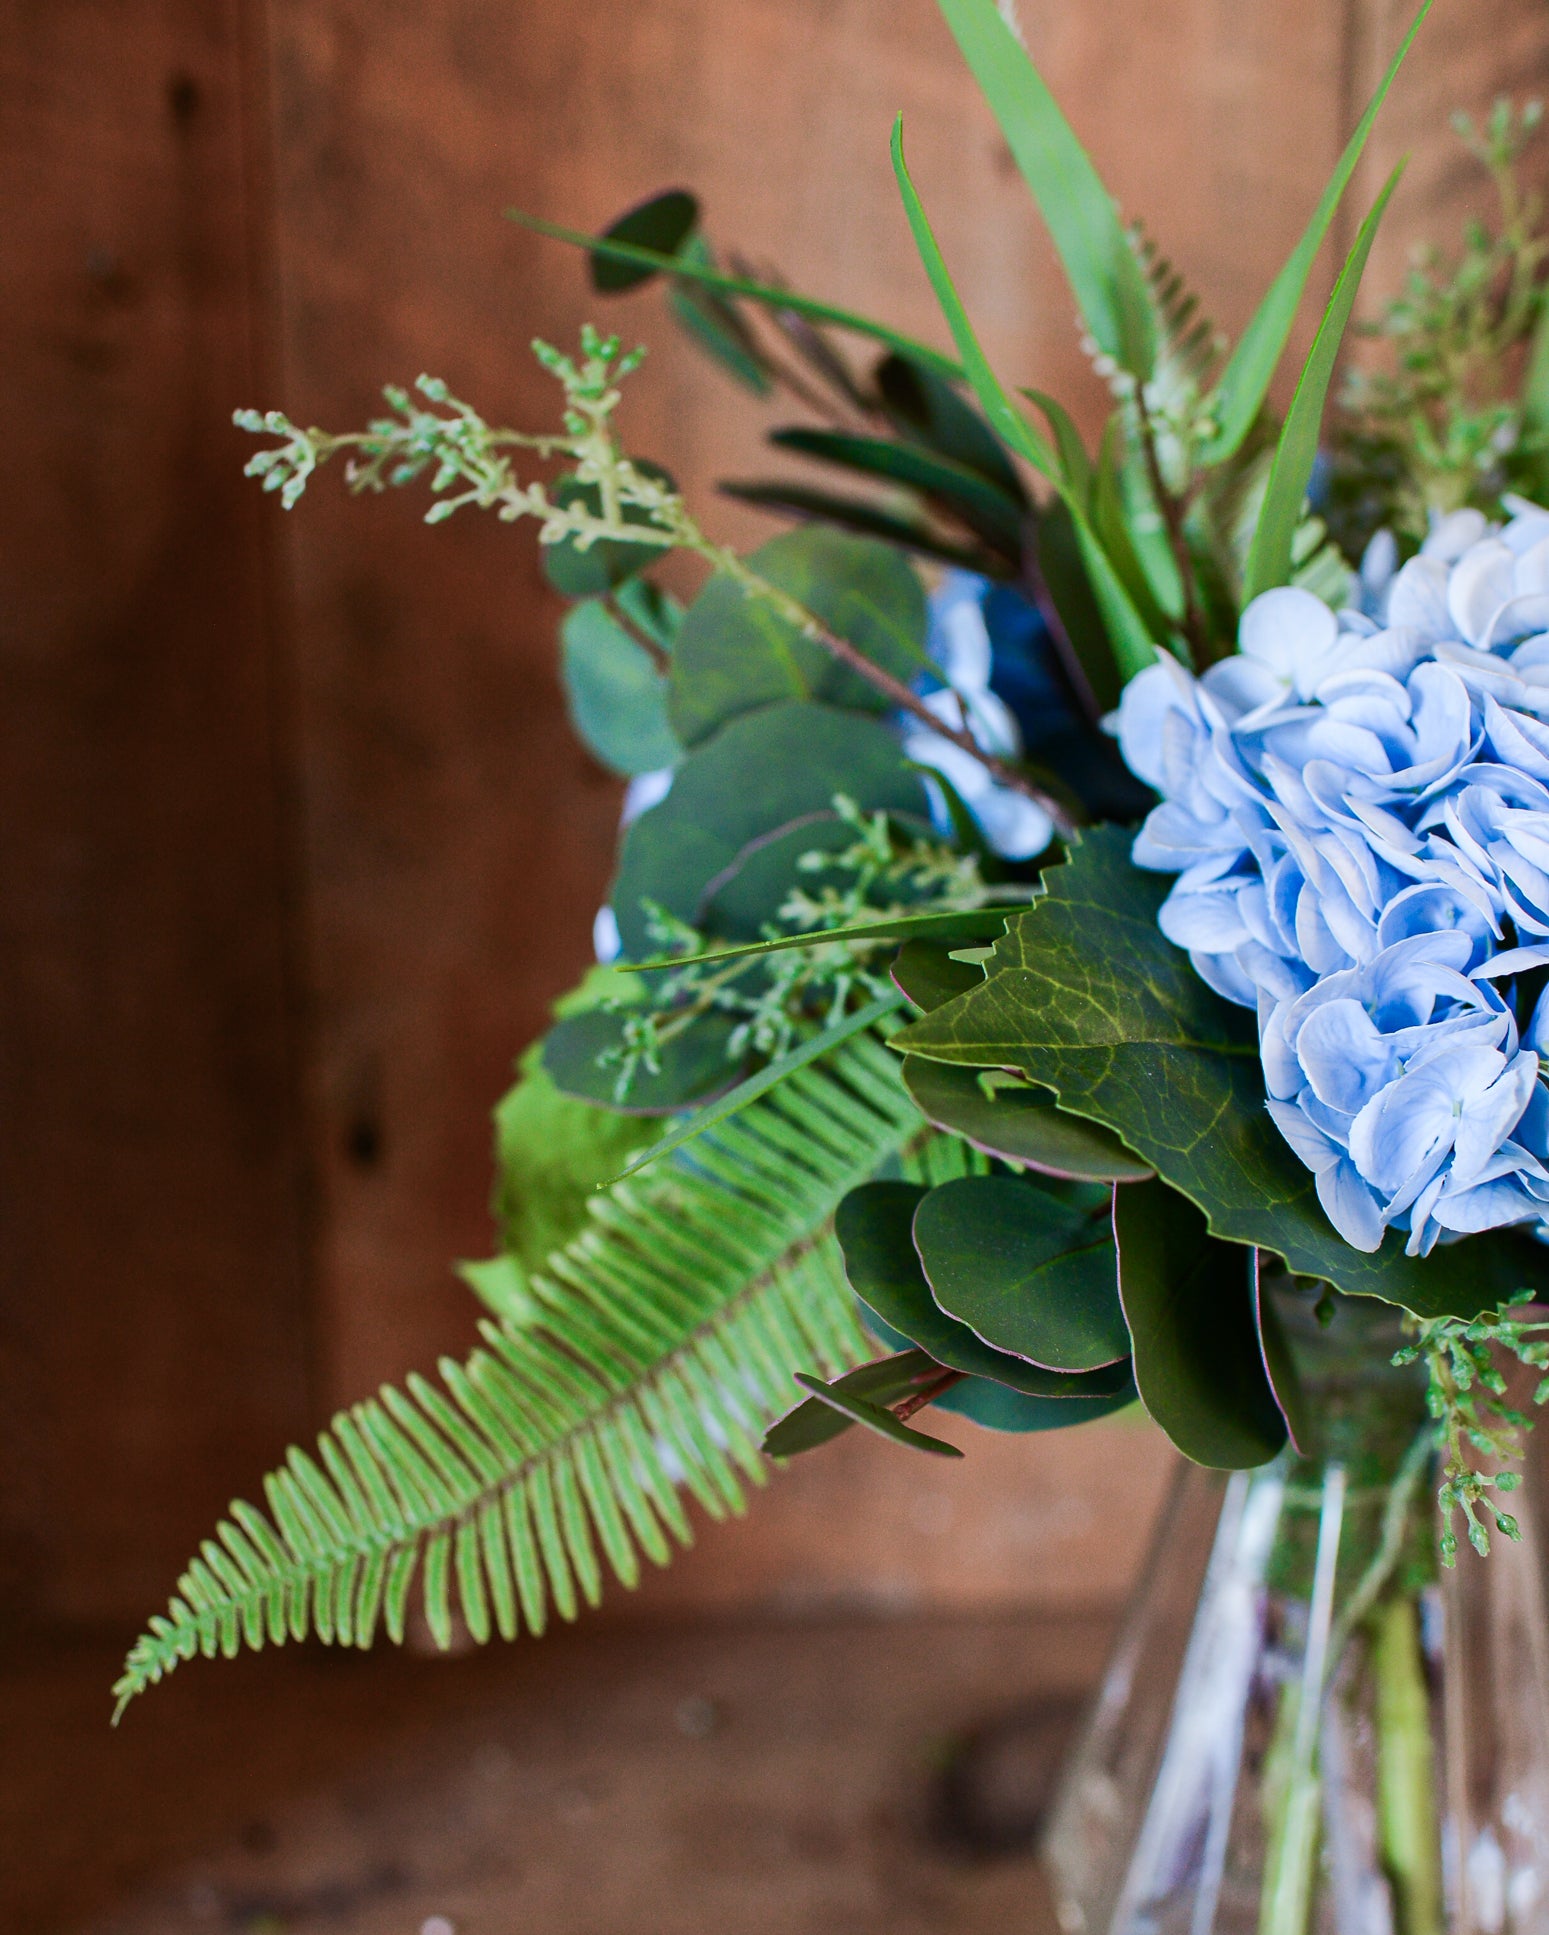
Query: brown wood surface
(154, 1327)
(296, 844)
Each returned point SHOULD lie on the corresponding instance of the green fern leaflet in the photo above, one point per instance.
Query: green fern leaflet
(662, 1344)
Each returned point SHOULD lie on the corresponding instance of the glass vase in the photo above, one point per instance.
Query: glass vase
(1307, 1723)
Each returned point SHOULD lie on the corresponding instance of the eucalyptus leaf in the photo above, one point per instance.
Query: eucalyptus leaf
(1019, 1124)
(874, 1225)
(748, 895)
(996, 1407)
(736, 653)
(663, 224)
(616, 695)
(760, 771)
(1191, 1304)
(694, 1064)
(1085, 995)
(1280, 1362)
(859, 1411)
(1080, 213)
(886, 1381)
(1280, 515)
(1026, 1272)
(770, 294)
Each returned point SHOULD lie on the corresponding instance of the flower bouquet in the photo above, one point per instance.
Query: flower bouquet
(1080, 934)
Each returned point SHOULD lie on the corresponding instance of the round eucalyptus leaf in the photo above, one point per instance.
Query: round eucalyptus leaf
(750, 892)
(694, 1064)
(926, 972)
(606, 563)
(861, 1411)
(882, 1382)
(1028, 1273)
(998, 1408)
(1192, 1305)
(1018, 1123)
(617, 697)
(757, 774)
(874, 1225)
(735, 652)
(663, 223)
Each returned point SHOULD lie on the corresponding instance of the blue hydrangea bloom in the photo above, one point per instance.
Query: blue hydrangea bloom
(1356, 807)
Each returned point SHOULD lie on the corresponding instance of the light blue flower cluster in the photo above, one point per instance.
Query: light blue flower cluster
(1357, 809)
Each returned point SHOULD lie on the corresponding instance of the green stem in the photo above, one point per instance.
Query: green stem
(1407, 1832)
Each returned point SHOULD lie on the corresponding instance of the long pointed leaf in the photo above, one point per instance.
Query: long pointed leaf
(1269, 561)
(1245, 380)
(1133, 643)
(739, 285)
(1080, 213)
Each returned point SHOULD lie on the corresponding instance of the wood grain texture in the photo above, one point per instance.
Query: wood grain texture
(159, 1171)
(153, 1320)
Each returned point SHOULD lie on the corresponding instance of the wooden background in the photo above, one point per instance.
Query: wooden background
(295, 846)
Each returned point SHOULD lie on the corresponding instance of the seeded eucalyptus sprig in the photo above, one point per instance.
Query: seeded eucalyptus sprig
(618, 500)
(1467, 1398)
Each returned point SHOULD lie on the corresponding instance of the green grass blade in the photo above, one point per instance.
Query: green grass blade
(1133, 643)
(739, 285)
(1245, 380)
(1080, 213)
(1269, 561)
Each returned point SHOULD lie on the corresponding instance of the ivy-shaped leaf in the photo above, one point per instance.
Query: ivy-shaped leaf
(1085, 995)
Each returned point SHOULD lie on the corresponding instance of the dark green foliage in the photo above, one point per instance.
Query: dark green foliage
(819, 1420)
(1027, 1272)
(616, 692)
(927, 973)
(761, 770)
(875, 1417)
(1018, 1121)
(663, 223)
(996, 1407)
(925, 407)
(865, 519)
(874, 1226)
(984, 508)
(735, 654)
(663, 1340)
(584, 1057)
(1192, 1309)
(1087, 997)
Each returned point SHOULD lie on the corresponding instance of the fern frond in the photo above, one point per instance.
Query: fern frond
(662, 1343)
(1188, 344)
